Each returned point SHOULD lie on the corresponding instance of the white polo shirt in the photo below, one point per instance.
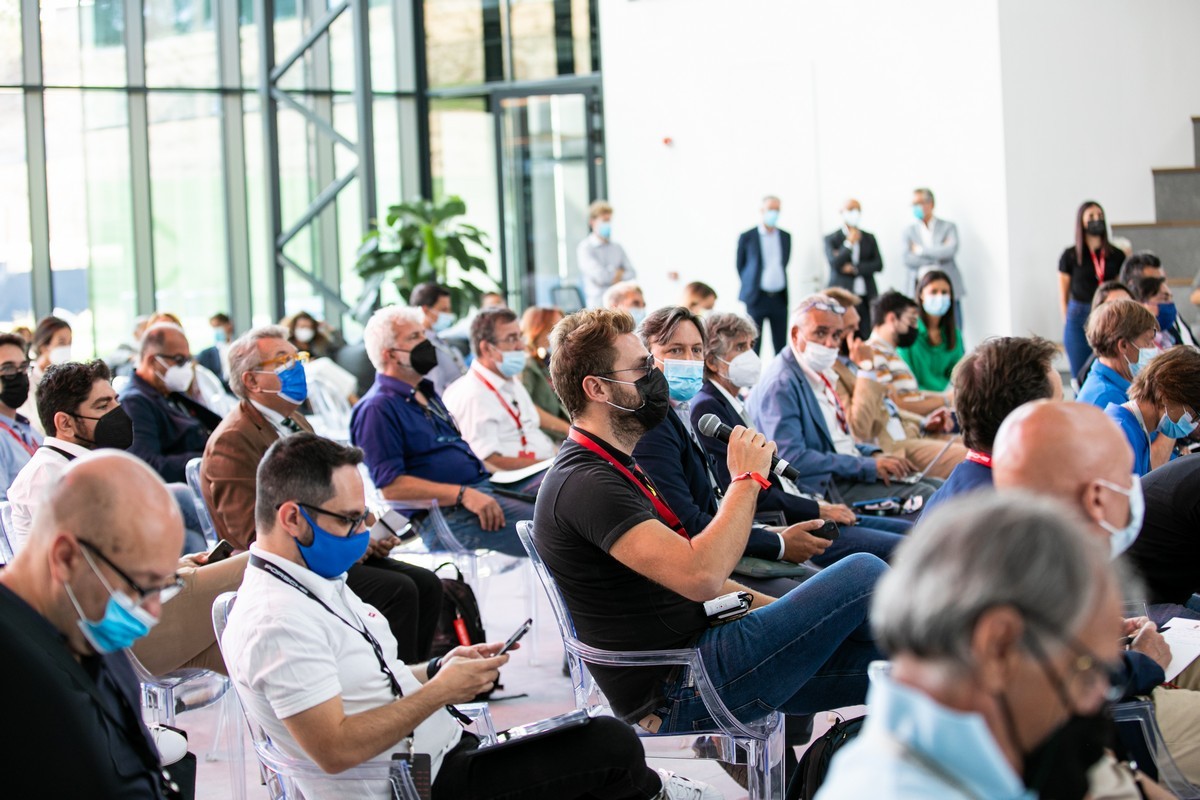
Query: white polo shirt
(33, 483)
(486, 421)
(287, 654)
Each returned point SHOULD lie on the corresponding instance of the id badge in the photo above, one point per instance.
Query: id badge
(420, 769)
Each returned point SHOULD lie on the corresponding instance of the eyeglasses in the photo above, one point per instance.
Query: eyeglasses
(178, 361)
(1087, 674)
(352, 523)
(164, 593)
(822, 305)
(645, 369)
(9, 370)
(283, 363)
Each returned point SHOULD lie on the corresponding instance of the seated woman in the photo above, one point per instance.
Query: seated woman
(1154, 293)
(51, 345)
(1105, 293)
(1160, 408)
(939, 342)
(698, 298)
(536, 324)
(311, 336)
(1122, 335)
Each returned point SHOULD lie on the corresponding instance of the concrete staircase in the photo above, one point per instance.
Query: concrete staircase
(1175, 235)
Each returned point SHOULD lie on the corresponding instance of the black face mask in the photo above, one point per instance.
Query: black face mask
(1057, 769)
(114, 429)
(655, 395)
(422, 358)
(1096, 227)
(16, 390)
(908, 338)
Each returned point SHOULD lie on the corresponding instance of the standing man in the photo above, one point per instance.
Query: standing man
(932, 243)
(602, 262)
(853, 257)
(434, 302)
(762, 258)
(18, 439)
(216, 358)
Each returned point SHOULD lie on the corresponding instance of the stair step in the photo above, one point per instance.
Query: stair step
(1176, 243)
(1177, 194)
(1196, 138)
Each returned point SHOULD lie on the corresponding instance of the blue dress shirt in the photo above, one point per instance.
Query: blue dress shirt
(1102, 386)
(18, 440)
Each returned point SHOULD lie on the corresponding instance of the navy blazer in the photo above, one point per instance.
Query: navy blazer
(785, 410)
(676, 465)
(869, 262)
(749, 262)
(710, 400)
(210, 359)
(164, 437)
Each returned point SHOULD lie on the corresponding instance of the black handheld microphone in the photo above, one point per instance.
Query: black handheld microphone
(711, 426)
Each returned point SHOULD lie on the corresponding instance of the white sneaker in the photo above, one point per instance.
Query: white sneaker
(677, 787)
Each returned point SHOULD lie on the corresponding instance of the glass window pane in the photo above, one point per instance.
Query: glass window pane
(551, 38)
(188, 209)
(83, 43)
(181, 43)
(256, 183)
(16, 303)
(454, 41)
(463, 155)
(10, 42)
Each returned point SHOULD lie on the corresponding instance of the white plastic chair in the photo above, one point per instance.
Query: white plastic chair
(191, 471)
(1136, 719)
(330, 409)
(759, 745)
(281, 772)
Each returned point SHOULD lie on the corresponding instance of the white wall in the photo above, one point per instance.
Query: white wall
(1081, 128)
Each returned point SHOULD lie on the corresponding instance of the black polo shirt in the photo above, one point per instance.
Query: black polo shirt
(1166, 553)
(1083, 277)
(584, 506)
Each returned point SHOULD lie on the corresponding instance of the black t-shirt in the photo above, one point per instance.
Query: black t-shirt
(1083, 278)
(1167, 552)
(583, 507)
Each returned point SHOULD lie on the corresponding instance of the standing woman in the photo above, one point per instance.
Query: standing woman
(938, 346)
(536, 324)
(1082, 269)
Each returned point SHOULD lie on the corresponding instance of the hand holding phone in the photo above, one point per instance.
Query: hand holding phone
(516, 637)
(221, 551)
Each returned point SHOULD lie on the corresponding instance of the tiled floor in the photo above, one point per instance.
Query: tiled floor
(534, 688)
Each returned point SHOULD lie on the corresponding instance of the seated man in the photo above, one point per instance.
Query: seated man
(895, 320)
(496, 414)
(994, 379)
(414, 448)
(269, 379)
(92, 579)
(874, 417)
(433, 301)
(312, 664)
(635, 579)
(626, 296)
(999, 619)
(78, 406)
(18, 439)
(795, 406)
(1121, 334)
(1167, 552)
(672, 455)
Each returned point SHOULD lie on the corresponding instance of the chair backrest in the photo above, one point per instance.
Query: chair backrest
(1138, 728)
(191, 471)
(6, 550)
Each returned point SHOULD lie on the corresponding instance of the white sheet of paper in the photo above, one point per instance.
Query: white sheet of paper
(509, 476)
(1184, 639)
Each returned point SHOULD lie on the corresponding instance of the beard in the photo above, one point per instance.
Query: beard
(626, 425)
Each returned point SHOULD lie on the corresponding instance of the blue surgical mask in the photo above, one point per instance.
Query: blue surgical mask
(293, 383)
(770, 218)
(512, 364)
(684, 378)
(1167, 314)
(919, 212)
(1121, 539)
(936, 305)
(123, 623)
(604, 230)
(444, 320)
(1145, 356)
(329, 555)
(1176, 429)
(638, 313)
(219, 336)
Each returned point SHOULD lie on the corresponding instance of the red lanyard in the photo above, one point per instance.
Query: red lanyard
(20, 439)
(982, 459)
(664, 511)
(841, 412)
(1099, 264)
(525, 453)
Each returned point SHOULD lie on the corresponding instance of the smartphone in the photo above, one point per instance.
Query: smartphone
(829, 531)
(221, 551)
(516, 637)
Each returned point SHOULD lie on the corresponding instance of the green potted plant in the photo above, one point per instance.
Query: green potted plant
(418, 241)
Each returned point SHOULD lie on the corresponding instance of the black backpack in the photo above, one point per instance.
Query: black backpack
(461, 619)
(814, 765)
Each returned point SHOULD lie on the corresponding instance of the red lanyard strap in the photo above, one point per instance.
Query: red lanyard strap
(982, 459)
(1098, 264)
(647, 488)
(20, 439)
(507, 407)
(841, 410)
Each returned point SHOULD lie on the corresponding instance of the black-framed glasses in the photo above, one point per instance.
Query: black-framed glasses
(645, 369)
(178, 361)
(9, 370)
(164, 593)
(352, 523)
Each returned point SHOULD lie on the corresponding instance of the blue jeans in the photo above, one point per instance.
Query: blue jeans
(1074, 339)
(193, 538)
(465, 525)
(859, 539)
(888, 524)
(808, 651)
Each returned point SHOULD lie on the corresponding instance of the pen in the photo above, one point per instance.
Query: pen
(1128, 640)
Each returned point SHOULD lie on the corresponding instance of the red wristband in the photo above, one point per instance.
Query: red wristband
(754, 476)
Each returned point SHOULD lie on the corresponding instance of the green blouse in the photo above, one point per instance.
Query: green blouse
(932, 364)
(536, 379)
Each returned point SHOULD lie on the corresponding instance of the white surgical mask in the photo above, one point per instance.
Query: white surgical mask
(851, 217)
(177, 378)
(60, 354)
(745, 369)
(818, 357)
(304, 335)
(1121, 539)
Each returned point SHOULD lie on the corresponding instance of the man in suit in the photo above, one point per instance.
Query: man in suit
(104, 546)
(216, 358)
(762, 259)
(268, 379)
(853, 257)
(932, 243)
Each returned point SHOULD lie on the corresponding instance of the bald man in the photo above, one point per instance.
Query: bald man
(91, 579)
(1073, 452)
